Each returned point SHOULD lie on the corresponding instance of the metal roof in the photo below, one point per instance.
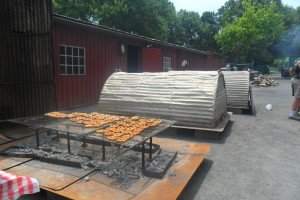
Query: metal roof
(238, 88)
(127, 34)
(192, 98)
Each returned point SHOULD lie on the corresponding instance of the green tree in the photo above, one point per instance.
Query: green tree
(230, 11)
(85, 10)
(210, 27)
(191, 23)
(151, 18)
(143, 17)
(253, 33)
(233, 9)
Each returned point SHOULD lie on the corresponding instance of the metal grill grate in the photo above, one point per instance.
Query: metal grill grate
(77, 132)
(40, 121)
(71, 127)
(140, 138)
(73, 171)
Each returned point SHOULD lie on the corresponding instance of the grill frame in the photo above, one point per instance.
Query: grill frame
(43, 122)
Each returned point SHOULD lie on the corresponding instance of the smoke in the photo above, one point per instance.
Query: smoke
(290, 42)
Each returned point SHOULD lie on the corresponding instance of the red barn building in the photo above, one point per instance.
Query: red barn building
(85, 55)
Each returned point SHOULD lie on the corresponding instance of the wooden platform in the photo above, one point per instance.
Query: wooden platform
(190, 156)
(220, 128)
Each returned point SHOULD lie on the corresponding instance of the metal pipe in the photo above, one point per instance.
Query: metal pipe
(103, 151)
(68, 138)
(37, 138)
(150, 153)
(83, 142)
(143, 156)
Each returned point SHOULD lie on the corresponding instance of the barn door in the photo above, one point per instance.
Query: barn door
(151, 60)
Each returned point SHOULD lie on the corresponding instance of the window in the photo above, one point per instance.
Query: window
(186, 63)
(72, 60)
(167, 64)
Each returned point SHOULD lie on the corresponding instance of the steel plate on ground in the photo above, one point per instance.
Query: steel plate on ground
(134, 187)
(191, 155)
(52, 176)
(8, 162)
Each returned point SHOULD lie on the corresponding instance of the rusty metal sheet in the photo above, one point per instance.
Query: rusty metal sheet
(46, 178)
(171, 187)
(93, 190)
(6, 162)
(183, 147)
(131, 188)
(192, 155)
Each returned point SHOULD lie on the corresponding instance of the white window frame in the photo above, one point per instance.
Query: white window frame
(167, 64)
(79, 58)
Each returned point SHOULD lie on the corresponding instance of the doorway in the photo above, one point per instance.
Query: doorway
(133, 58)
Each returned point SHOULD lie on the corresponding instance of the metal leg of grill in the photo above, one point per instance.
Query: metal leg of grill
(150, 153)
(37, 138)
(69, 146)
(143, 156)
(84, 142)
(103, 151)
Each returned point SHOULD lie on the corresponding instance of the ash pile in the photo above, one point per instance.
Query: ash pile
(263, 81)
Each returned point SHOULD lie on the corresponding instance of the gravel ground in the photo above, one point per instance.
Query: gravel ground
(257, 157)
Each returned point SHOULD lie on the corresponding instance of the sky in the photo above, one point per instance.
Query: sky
(213, 5)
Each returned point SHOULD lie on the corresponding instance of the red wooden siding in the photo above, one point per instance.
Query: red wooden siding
(151, 60)
(102, 58)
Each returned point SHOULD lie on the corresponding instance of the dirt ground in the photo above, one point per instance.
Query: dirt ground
(257, 157)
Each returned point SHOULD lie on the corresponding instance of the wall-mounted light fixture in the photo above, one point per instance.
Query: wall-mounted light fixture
(122, 48)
